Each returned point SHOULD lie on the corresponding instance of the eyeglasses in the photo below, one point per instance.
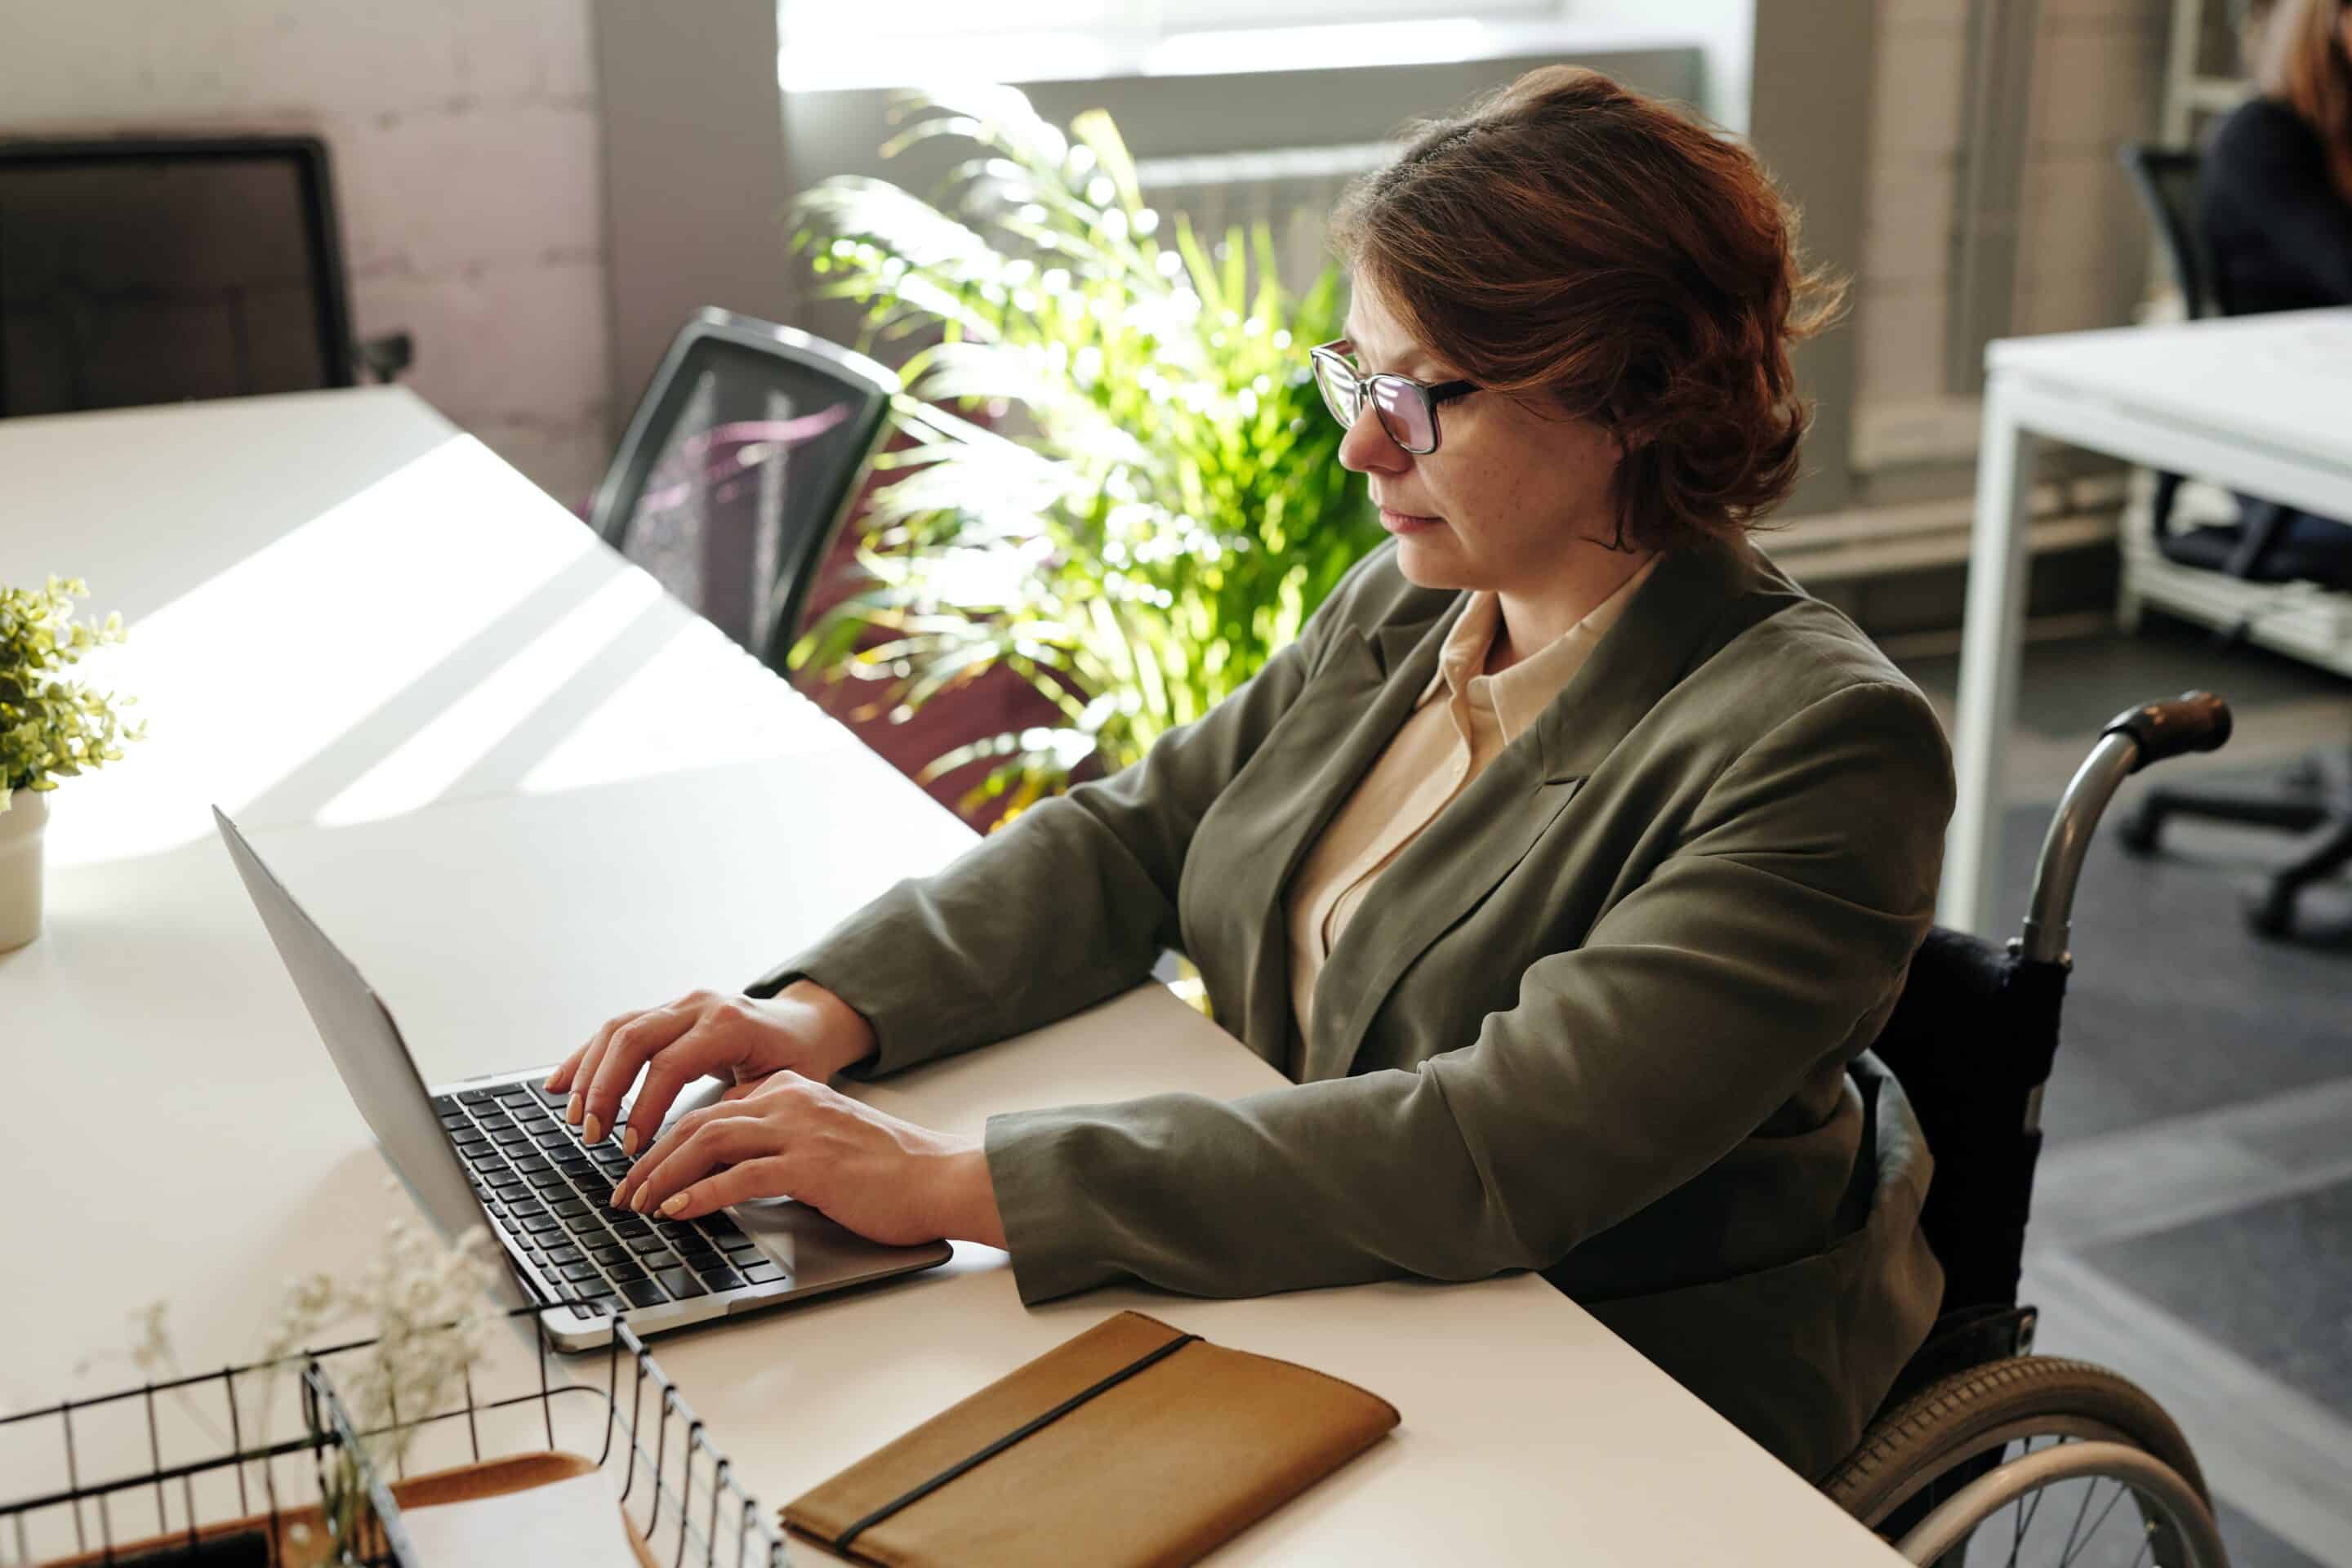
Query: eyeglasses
(1407, 408)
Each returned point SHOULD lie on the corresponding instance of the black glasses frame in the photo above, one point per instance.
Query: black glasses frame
(1344, 389)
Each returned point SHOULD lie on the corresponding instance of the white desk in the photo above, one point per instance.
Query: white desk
(2260, 404)
(177, 1130)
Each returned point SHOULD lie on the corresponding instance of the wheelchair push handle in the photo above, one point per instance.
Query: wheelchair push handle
(2194, 721)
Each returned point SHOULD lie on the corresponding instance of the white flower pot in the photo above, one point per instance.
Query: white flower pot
(20, 867)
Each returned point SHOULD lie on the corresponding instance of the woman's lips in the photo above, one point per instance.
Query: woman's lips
(1407, 522)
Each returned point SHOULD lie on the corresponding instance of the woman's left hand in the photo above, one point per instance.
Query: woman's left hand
(787, 1136)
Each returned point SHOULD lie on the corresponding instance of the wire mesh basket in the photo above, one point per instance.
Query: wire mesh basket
(185, 1471)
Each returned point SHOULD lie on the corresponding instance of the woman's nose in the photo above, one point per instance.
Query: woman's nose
(1367, 447)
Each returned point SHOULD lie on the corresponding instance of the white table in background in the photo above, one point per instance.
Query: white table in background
(2258, 404)
(177, 1131)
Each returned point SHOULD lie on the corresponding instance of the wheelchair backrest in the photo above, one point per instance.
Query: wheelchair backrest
(1970, 1040)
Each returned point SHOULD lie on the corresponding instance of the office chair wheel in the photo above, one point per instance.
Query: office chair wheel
(2269, 911)
(2138, 831)
(2030, 1459)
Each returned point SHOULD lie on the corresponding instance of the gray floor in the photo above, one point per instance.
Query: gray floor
(2193, 1214)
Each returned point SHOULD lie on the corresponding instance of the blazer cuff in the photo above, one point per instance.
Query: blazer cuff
(1047, 1228)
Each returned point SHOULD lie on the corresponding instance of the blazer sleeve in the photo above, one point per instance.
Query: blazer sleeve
(1692, 1010)
(1071, 903)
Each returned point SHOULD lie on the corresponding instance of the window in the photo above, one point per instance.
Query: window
(831, 44)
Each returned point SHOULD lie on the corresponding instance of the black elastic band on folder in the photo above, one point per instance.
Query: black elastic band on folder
(841, 1543)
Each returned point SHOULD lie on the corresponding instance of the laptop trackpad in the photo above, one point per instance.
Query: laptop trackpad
(811, 1248)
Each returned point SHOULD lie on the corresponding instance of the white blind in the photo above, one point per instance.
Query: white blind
(840, 43)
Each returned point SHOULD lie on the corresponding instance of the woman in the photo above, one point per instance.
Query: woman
(2278, 175)
(2278, 220)
(1567, 861)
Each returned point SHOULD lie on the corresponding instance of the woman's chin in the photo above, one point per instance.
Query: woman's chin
(1425, 559)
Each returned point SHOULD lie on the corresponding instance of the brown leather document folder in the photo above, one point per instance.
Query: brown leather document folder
(1132, 1445)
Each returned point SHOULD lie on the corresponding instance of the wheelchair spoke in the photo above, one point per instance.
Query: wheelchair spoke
(2025, 1515)
(2121, 1493)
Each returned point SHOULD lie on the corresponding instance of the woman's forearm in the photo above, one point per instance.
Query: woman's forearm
(846, 1038)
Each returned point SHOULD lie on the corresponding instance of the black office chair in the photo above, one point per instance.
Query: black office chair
(2269, 543)
(145, 270)
(740, 463)
(1972, 1041)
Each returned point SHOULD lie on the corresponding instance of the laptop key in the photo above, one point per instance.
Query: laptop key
(549, 1183)
(540, 1223)
(569, 1208)
(473, 1096)
(575, 1272)
(721, 1278)
(644, 1244)
(559, 1252)
(643, 1293)
(761, 1272)
(527, 1163)
(680, 1284)
(608, 1252)
(738, 1244)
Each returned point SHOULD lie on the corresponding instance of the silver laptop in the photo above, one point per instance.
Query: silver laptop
(496, 1151)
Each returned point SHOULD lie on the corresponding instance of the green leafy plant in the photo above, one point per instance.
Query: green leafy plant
(51, 727)
(1165, 505)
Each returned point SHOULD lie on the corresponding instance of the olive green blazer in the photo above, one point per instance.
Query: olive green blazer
(1605, 1017)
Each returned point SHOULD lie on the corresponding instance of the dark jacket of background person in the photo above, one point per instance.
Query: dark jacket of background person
(1605, 1017)
(2279, 230)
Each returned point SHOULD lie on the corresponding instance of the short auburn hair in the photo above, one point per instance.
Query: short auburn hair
(1568, 238)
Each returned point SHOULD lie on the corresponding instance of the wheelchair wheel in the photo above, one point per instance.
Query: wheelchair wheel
(2031, 1459)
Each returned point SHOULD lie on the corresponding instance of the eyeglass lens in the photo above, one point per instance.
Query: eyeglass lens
(1404, 408)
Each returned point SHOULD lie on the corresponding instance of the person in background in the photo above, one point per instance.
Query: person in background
(1568, 863)
(2278, 174)
(2277, 190)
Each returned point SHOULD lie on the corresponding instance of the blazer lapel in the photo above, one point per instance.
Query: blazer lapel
(1347, 715)
(1693, 602)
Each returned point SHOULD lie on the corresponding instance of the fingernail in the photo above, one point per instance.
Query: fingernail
(614, 1200)
(645, 1195)
(675, 1204)
(594, 1131)
(629, 1141)
(572, 1112)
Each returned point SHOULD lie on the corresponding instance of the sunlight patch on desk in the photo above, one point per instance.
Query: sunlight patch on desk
(699, 701)
(425, 767)
(433, 553)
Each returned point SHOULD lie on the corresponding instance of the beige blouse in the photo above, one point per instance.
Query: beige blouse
(1435, 754)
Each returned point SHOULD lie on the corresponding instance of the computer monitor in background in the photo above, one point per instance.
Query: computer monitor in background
(139, 271)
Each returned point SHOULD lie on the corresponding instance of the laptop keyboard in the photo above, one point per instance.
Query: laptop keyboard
(551, 1192)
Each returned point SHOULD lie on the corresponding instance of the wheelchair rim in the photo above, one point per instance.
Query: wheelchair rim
(2174, 1527)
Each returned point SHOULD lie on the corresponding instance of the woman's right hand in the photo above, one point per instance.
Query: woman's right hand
(804, 1027)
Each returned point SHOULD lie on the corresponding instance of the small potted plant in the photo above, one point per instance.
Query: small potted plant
(50, 728)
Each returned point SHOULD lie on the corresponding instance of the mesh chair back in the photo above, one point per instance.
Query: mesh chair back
(151, 270)
(737, 469)
(2167, 181)
(1971, 1041)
